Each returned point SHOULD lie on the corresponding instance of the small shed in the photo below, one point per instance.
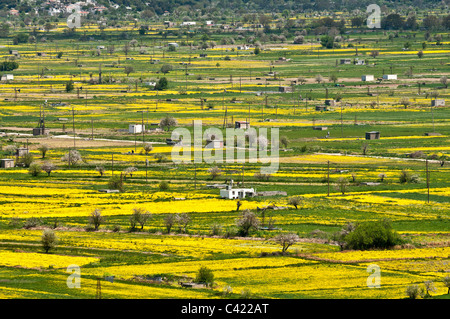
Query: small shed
(320, 128)
(136, 128)
(285, 89)
(242, 124)
(330, 102)
(174, 44)
(41, 54)
(345, 61)
(210, 143)
(321, 108)
(39, 131)
(390, 77)
(366, 78)
(21, 151)
(440, 102)
(14, 52)
(360, 62)
(7, 77)
(374, 135)
(6, 163)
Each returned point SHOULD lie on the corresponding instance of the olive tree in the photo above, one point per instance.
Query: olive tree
(96, 218)
(140, 216)
(295, 201)
(48, 240)
(43, 149)
(167, 122)
(246, 222)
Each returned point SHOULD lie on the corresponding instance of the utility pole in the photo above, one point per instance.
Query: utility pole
(428, 180)
(112, 164)
(73, 125)
(92, 129)
(328, 178)
(195, 176)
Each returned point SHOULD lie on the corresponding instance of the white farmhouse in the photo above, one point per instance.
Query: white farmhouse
(7, 77)
(188, 23)
(237, 193)
(136, 128)
(390, 77)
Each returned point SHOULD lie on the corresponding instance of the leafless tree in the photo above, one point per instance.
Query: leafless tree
(48, 167)
(286, 240)
(96, 218)
(183, 220)
(169, 221)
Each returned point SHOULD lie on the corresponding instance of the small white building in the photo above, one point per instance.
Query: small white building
(438, 102)
(390, 77)
(173, 44)
(136, 128)
(345, 61)
(185, 23)
(209, 23)
(7, 77)
(6, 163)
(367, 78)
(237, 193)
(215, 144)
(243, 47)
(242, 125)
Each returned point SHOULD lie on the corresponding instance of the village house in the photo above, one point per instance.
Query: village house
(213, 143)
(188, 23)
(236, 193)
(242, 125)
(374, 135)
(6, 163)
(440, 102)
(390, 77)
(136, 128)
(7, 77)
(330, 102)
(366, 78)
(21, 151)
(285, 89)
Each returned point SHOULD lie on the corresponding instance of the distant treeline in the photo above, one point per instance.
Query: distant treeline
(267, 6)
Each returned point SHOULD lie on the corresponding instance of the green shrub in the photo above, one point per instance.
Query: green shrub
(31, 222)
(35, 170)
(48, 240)
(205, 275)
(370, 235)
(116, 182)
